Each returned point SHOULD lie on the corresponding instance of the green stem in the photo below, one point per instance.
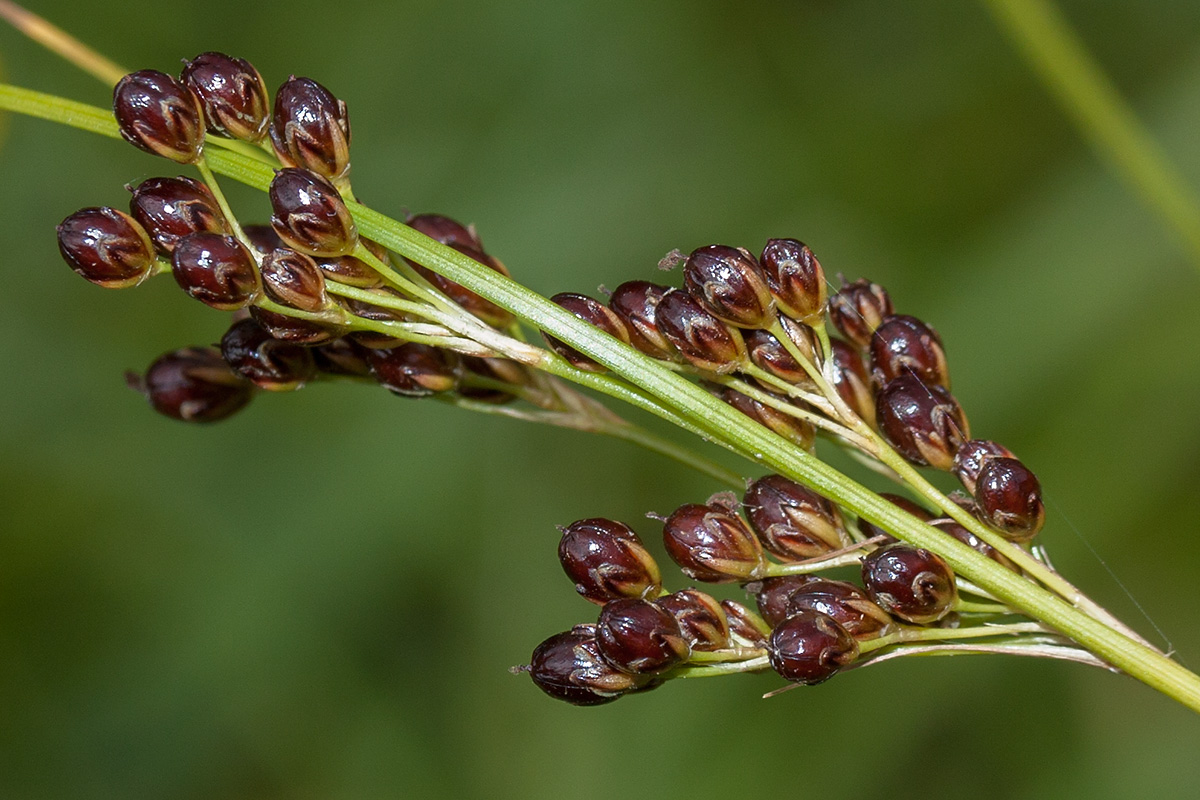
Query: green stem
(947, 634)
(1064, 65)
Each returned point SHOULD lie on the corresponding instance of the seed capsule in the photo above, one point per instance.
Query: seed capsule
(636, 303)
(215, 269)
(606, 561)
(924, 423)
(232, 95)
(309, 215)
(970, 458)
(905, 345)
(871, 530)
(341, 357)
(851, 381)
(310, 128)
(107, 247)
(446, 230)
(730, 285)
(293, 279)
(857, 309)
(415, 370)
(910, 583)
(568, 666)
(293, 329)
(263, 238)
(744, 624)
(795, 278)
(792, 521)
(158, 114)
(971, 540)
(350, 271)
(769, 354)
(711, 543)
(705, 341)
(797, 431)
(264, 361)
(848, 605)
(810, 647)
(639, 637)
(774, 595)
(475, 305)
(172, 208)
(594, 313)
(700, 618)
(1010, 499)
(193, 385)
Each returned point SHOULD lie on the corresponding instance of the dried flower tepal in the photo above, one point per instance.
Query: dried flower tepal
(753, 349)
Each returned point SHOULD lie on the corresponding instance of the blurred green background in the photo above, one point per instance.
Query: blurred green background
(320, 598)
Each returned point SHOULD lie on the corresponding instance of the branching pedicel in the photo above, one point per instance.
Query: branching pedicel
(425, 311)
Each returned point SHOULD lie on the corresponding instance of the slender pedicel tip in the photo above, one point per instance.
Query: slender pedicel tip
(781, 690)
(671, 260)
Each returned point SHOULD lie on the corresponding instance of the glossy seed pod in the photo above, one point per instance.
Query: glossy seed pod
(792, 521)
(107, 247)
(636, 303)
(265, 361)
(639, 637)
(797, 431)
(905, 345)
(158, 114)
(703, 340)
(871, 530)
(309, 215)
(606, 561)
(172, 208)
(294, 280)
(307, 332)
(745, 625)
(795, 278)
(193, 385)
(232, 95)
(215, 269)
(415, 370)
(471, 302)
(924, 423)
(845, 603)
(711, 543)
(594, 313)
(701, 618)
(810, 647)
(350, 271)
(568, 666)
(263, 238)
(949, 526)
(1010, 499)
(970, 458)
(446, 230)
(852, 382)
(730, 285)
(341, 357)
(910, 583)
(310, 128)
(857, 309)
(774, 595)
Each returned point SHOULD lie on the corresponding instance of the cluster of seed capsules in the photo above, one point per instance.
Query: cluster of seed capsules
(289, 326)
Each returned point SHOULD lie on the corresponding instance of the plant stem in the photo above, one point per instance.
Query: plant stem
(947, 634)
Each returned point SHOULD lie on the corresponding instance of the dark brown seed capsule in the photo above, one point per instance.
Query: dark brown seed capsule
(341, 357)
(606, 560)
(871, 530)
(700, 618)
(744, 624)
(847, 604)
(639, 637)
(594, 313)
(265, 361)
(232, 95)
(711, 543)
(792, 521)
(568, 666)
(951, 527)
(1010, 499)
(309, 215)
(857, 309)
(446, 230)
(263, 238)
(415, 370)
(797, 431)
(636, 302)
(730, 284)
(810, 647)
(774, 595)
(172, 208)
(795, 278)
(970, 458)
(158, 114)
(350, 271)
(215, 269)
(107, 247)
(310, 128)
(769, 354)
(193, 385)
(705, 341)
(294, 280)
(924, 423)
(294, 329)
(852, 382)
(910, 583)
(905, 345)
(475, 305)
